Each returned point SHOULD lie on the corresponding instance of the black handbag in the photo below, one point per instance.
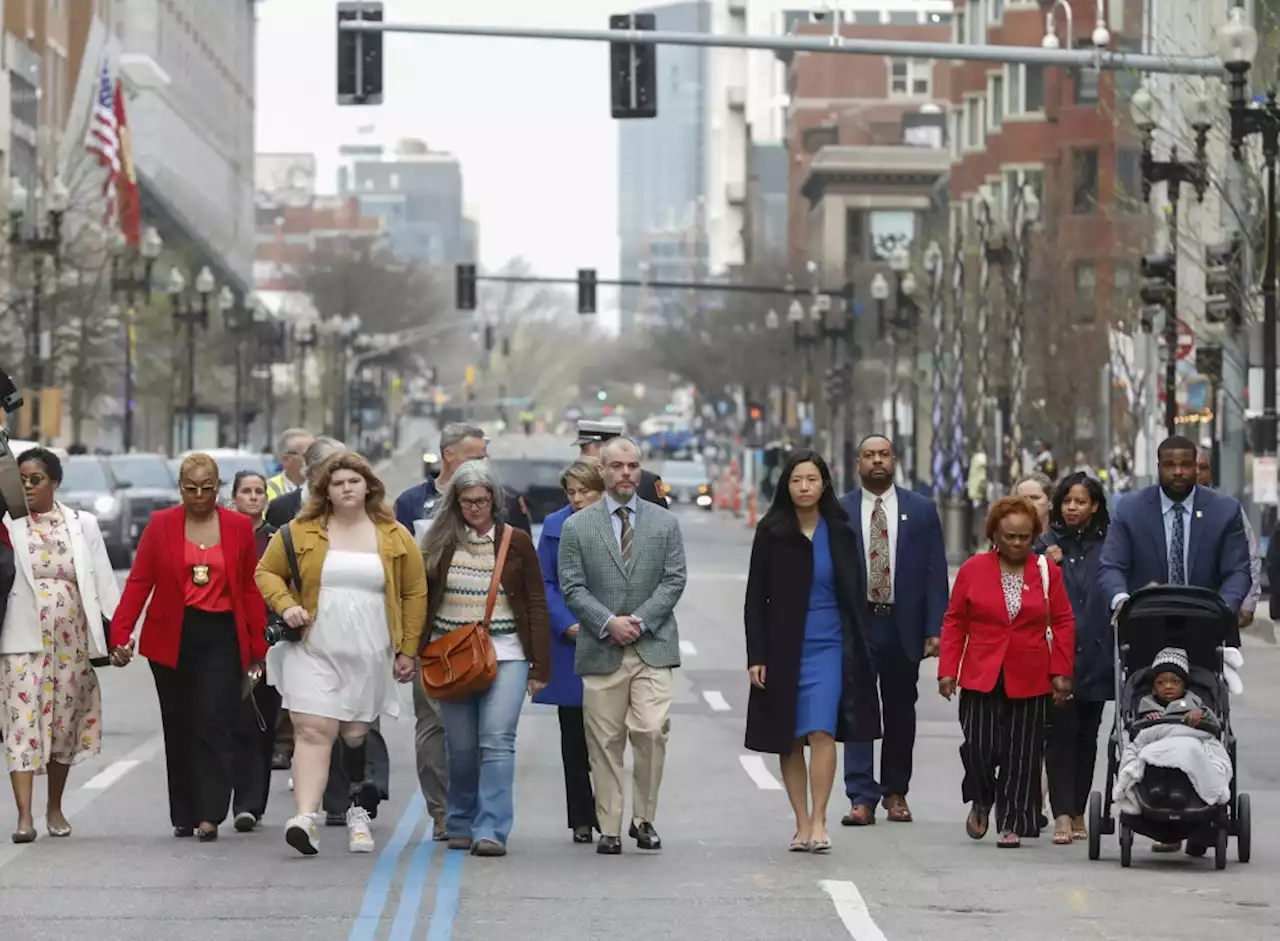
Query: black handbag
(277, 630)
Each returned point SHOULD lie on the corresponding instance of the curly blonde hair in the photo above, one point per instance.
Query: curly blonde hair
(318, 506)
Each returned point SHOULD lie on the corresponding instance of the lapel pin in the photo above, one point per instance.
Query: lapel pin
(1199, 514)
(904, 517)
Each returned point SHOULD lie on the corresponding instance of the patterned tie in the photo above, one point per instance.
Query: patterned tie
(878, 556)
(1177, 561)
(628, 534)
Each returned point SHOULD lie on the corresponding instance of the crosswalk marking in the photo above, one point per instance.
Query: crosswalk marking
(756, 770)
(716, 701)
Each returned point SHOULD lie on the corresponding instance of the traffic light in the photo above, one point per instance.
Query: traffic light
(586, 290)
(1224, 282)
(633, 69)
(466, 287)
(1159, 286)
(359, 55)
(488, 338)
(506, 346)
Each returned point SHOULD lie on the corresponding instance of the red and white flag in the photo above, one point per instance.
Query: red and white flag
(103, 141)
(126, 179)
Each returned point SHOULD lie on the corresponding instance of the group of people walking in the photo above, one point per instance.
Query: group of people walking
(846, 596)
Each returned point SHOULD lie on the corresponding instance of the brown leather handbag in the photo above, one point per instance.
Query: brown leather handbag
(463, 662)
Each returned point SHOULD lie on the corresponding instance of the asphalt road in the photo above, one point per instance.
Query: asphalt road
(724, 874)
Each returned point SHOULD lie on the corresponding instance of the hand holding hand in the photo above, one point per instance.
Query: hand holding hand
(403, 668)
(756, 675)
(1062, 690)
(622, 630)
(932, 645)
(1055, 553)
(946, 686)
(120, 656)
(296, 616)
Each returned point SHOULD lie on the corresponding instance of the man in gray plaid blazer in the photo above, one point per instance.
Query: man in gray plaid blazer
(622, 571)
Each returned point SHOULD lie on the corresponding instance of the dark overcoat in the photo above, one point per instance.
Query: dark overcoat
(1095, 636)
(776, 606)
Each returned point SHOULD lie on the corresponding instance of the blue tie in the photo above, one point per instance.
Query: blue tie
(1177, 553)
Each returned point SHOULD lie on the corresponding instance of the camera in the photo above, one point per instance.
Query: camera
(278, 632)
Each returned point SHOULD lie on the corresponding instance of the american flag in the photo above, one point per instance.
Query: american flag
(103, 140)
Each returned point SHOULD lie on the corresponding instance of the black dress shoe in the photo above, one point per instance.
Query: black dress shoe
(609, 846)
(582, 835)
(181, 832)
(646, 836)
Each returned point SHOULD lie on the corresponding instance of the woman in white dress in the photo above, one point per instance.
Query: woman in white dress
(361, 606)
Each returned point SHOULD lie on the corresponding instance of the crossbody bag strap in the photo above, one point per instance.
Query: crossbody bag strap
(1043, 564)
(292, 556)
(496, 581)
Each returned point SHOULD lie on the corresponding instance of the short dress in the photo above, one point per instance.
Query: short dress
(822, 655)
(343, 669)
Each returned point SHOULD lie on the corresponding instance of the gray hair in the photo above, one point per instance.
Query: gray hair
(288, 437)
(448, 526)
(321, 450)
(457, 432)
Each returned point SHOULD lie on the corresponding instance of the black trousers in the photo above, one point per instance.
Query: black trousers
(199, 705)
(1002, 753)
(1070, 754)
(253, 742)
(358, 775)
(899, 679)
(579, 797)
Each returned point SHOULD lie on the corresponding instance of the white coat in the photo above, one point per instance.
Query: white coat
(99, 592)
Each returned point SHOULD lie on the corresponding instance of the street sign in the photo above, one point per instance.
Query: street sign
(1186, 340)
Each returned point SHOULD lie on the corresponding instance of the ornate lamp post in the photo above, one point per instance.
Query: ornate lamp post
(129, 281)
(192, 315)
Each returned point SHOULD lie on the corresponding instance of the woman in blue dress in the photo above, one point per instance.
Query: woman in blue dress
(812, 680)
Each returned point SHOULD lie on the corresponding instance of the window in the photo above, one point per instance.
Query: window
(1025, 84)
(1084, 181)
(1129, 180)
(855, 234)
(866, 17)
(1086, 276)
(888, 229)
(995, 9)
(958, 33)
(1123, 278)
(973, 121)
(1013, 89)
(995, 101)
(957, 132)
(910, 78)
(976, 18)
(904, 18)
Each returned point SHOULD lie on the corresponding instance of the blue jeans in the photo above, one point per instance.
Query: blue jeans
(480, 741)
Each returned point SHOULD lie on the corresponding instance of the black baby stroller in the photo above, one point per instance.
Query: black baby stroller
(1196, 620)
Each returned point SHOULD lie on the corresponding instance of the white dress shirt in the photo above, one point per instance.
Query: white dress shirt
(890, 500)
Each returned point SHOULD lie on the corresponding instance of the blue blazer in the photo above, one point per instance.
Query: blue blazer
(565, 688)
(1134, 553)
(921, 585)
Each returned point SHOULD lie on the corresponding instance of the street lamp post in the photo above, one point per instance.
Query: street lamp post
(1146, 112)
(1238, 45)
(304, 340)
(129, 283)
(937, 306)
(343, 331)
(41, 244)
(184, 312)
(238, 321)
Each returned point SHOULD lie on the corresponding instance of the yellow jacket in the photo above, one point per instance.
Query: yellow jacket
(406, 579)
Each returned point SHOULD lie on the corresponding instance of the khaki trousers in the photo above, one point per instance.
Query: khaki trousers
(632, 702)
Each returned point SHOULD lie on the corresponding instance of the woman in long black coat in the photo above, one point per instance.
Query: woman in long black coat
(812, 679)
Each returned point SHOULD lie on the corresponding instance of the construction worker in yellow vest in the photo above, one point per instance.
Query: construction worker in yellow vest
(290, 447)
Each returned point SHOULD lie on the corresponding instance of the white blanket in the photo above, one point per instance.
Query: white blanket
(1195, 752)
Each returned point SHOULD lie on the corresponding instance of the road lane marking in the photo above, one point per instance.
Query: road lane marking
(415, 883)
(756, 770)
(687, 649)
(716, 701)
(109, 775)
(448, 894)
(365, 927)
(852, 910)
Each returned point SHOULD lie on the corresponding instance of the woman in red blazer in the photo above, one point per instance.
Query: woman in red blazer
(204, 631)
(1010, 623)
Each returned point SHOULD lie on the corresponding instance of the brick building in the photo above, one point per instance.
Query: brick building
(289, 236)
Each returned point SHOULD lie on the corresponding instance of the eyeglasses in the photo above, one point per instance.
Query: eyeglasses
(33, 480)
(197, 490)
(482, 503)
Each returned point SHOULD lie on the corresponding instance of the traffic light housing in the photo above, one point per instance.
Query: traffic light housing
(633, 69)
(1159, 290)
(488, 337)
(586, 290)
(466, 287)
(359, 55)
(1224, 282)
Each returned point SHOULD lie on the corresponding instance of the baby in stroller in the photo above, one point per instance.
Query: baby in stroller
(1171, 702)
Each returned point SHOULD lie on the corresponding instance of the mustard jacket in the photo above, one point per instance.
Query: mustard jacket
(406, 579)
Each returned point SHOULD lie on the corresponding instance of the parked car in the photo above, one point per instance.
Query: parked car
(230, 462)
(536, 481)
(90, 484)
(686, 482)
(152, 486)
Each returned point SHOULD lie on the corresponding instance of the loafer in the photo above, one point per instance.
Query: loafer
(609, 846)
(488, 848)
(645, 835)
(582, 835)
(459, 843)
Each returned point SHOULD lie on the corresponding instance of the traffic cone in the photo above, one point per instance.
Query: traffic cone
(751, 510)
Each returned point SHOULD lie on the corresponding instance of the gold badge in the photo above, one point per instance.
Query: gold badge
(200, 574)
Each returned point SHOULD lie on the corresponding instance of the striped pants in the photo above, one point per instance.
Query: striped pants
(1002, 753)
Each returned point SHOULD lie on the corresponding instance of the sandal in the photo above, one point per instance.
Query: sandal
(798, 845)
(1062, 835)
(1078, 830)
(1009, 841)
(978, 821)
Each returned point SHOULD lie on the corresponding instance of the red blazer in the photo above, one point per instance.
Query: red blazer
(159, 573)
(977, 631)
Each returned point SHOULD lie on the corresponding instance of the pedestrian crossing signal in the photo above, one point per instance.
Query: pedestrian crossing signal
(586, 290)
(359, 55)
(465, 288)
(633, 69)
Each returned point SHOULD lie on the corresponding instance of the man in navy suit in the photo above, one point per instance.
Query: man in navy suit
(1176, 532)
(901, 542)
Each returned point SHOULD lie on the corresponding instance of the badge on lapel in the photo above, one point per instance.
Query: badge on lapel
(1199, 514)
(904, 517)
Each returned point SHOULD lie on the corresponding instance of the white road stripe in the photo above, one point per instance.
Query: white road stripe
(687, 649)
(852, 909)
(109, 775)
(716, 701)
(756, 770)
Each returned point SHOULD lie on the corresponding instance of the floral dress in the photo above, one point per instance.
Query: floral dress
(52, 704)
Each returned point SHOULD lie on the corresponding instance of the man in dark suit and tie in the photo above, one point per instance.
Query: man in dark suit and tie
(1178, 533)
(900, 537)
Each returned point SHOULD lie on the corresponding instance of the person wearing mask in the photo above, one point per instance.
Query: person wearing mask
(62, 589)
(905, 596)
(592, 436)
(812, 676)
(1248, 607)
(583, 485)
(204, 632)
(253, 737)
(1007, 605)
(291, 449)
(360, 605)
(464, 557)
(1077, 530)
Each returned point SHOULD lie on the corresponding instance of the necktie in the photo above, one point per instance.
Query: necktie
(628, 534)
(1177, 547)
(878, 566)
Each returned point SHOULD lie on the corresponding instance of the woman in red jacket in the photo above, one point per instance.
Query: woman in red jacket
(203, 633)
(1010, 623)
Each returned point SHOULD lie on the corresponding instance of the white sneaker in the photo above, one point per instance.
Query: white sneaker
(359, 838)
(300, 833)
(291, 782)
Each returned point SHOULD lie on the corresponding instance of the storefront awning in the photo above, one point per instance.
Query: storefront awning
(174, 226)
